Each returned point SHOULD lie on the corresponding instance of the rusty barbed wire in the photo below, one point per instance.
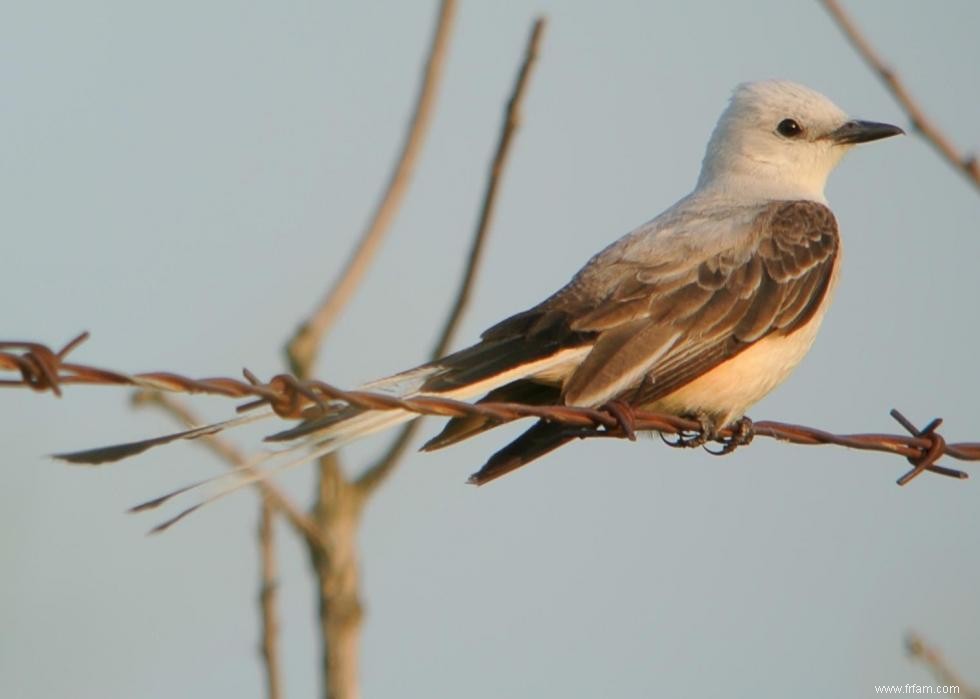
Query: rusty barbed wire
(43, 369)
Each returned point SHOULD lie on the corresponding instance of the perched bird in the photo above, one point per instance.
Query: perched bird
(700, 312)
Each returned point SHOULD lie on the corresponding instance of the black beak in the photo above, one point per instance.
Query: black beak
(862, 132)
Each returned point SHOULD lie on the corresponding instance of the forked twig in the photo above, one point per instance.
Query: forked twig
(340, 630)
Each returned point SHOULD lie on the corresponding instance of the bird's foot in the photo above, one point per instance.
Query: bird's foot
(706, 432)
(625, 417)
(743, 432)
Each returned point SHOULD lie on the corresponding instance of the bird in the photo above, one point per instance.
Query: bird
(700, 312)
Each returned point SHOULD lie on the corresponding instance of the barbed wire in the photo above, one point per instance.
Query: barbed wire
(43, 369)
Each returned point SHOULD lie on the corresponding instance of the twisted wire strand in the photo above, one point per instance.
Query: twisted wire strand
(43, 369)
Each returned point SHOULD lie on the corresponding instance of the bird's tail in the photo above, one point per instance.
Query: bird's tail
(481, 369)
(464, 375)
(540, 439)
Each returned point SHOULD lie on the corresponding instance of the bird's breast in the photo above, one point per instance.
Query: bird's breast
(730, 388)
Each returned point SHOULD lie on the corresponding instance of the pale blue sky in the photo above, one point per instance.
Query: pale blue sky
(184, 179)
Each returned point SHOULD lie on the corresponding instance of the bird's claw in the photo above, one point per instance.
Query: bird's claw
(707, 431)
(743, 431)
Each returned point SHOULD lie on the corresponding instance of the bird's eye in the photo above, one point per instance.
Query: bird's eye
(789, 128)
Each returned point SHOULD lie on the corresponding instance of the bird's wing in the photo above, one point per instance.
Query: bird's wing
(667, 324)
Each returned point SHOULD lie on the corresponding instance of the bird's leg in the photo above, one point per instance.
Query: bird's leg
(624, 415)
(742, 433)
(707, 431)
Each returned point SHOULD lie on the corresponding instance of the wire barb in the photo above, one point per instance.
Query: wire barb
(930, 455)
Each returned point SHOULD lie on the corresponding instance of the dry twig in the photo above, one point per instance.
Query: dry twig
(966, 165)
(917, 648)
(267, 601)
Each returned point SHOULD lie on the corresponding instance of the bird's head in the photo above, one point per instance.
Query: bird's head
(780, 140)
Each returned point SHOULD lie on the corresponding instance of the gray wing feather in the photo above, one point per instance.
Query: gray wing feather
(619, 359)
(662, 325)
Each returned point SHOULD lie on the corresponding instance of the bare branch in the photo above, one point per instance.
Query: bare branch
(918, 649)
(267, 602)
(305, 344)
(967, 165)
(337, 514)
(380, 470)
